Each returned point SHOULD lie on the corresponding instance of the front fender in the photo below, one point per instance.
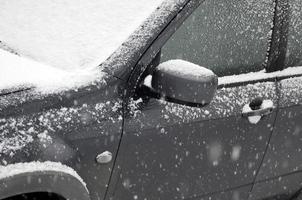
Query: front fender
(53, 177)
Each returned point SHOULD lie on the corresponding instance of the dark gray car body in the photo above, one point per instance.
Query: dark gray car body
(161, 150)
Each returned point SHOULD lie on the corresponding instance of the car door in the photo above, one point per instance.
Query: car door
(173, 151)
(281, 170)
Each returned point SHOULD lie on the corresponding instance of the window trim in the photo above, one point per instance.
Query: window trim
(279, 39)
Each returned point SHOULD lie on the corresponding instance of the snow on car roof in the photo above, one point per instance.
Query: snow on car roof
(66, 38)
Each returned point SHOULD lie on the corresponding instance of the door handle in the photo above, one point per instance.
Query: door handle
(258, 107)
(259, 112)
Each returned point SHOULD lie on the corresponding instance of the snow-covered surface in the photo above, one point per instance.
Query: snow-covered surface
(294, 45)
(129, 53)
(70, 34)
(291, 92)
(31, 167)
(254, 76)
(21, 71)
(184, 69)
(227, 102)
(236, 151)
(71, 37)
(148, 81)
(254, 119)
(17, 133)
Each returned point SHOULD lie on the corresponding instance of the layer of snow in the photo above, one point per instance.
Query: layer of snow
(254, 119)
(70, 34)
(291, 92)
(31, 167)
(236, 151)
(148, 81)
(14, 142)
(70, 37)
(254, 76)
(20, 71)
(226, 102)
(129, 53)
(19, 133)
(185, 69)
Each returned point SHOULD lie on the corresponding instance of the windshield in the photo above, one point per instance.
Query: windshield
(69, 35)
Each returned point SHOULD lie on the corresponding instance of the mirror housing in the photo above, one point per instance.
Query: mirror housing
(185, 83)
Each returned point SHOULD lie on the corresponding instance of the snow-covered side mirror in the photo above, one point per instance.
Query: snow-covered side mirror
(183, 82)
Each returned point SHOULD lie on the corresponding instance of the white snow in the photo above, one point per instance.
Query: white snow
(72, 37)
(236, 150)
(30, 167)
(254, 119)
(148, 81)
(17, 133)
(254, 76)
(44, 137)
(21, 71)
(227, 102)
(104, 157)
(291, 92)
(70, 33)
(215, 152)
(185, 69)
(182, 68)
(15, 142)
(267, 104)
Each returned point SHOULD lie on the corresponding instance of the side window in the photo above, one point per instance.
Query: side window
(228, 37)
(294, 46)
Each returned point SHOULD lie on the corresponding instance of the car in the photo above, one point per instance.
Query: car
(202, 101)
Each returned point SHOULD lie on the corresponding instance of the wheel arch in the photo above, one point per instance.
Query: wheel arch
(56, 181)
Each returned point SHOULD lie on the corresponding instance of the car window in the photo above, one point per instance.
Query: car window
(294, 46)
(228, 37)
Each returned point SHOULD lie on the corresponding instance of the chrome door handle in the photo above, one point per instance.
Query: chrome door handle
(260, 112)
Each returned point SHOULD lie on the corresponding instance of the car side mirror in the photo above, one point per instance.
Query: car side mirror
(185, 83)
